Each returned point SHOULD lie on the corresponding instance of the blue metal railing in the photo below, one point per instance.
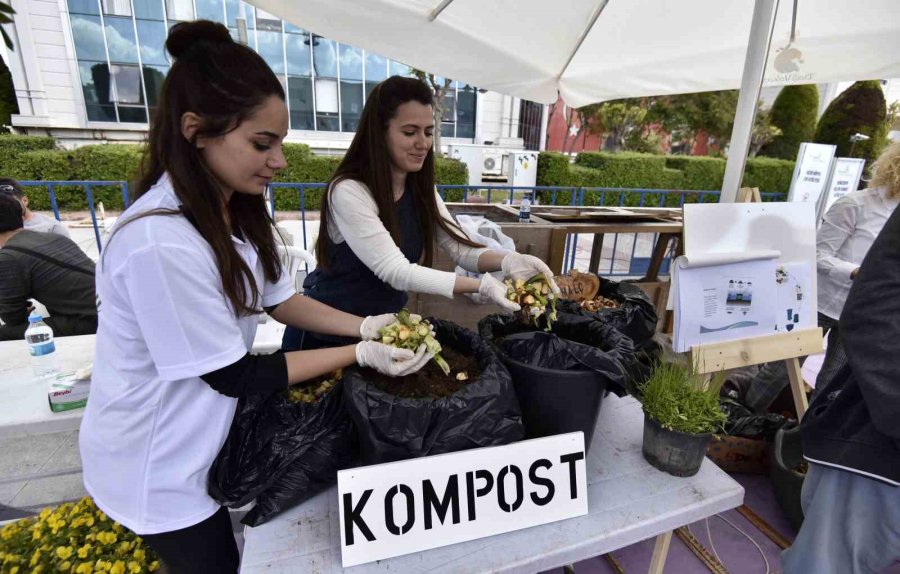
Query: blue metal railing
(545, 195)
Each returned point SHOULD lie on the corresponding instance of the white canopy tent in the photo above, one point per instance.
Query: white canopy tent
(596, 50)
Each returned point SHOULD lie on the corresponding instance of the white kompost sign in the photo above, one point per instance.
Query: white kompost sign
(845, 176)
(403, 507)
(811, 172)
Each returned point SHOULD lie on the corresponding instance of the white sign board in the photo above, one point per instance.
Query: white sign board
(404, 507)
(845, 176)
(811, 172)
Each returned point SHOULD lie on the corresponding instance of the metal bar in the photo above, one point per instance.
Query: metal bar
(761, 26)
(764, 527)
(90, 197)
(303, 220)
(53, 201)
(126, 200)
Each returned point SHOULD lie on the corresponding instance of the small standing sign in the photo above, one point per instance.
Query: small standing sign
(845, 176)
(399, 508)
(811, 172)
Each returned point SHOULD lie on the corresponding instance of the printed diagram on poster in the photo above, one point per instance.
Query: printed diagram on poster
(793, 284)
(725, 298)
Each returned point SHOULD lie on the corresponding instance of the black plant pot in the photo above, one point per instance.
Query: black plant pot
(678, 453)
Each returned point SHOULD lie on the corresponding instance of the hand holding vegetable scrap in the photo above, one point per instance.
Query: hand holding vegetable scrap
(389, 360)
(495, 292)
(373, 324)
(533, 296)
(520, 266)
(409, 331)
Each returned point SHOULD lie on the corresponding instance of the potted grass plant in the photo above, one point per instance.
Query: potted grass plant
(681, 413)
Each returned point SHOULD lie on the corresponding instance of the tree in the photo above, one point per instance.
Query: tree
(6, 17)
(794, 112)
(441, 88)
(764, 130)
(620, 120)
(8, 103)
(686, 115)
(861, 108)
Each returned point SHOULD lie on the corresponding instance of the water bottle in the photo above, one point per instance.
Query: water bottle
(525, 209)
(39, 337)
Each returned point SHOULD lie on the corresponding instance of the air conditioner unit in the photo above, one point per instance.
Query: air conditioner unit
(492, 162)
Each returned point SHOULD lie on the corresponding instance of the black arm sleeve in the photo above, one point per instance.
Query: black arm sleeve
(251, 374)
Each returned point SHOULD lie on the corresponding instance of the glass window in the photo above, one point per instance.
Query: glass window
(376, 67)
(266, 21)
(300, 103)
(465, 112)
(180, 10)
(117, 7)
(152, 41)
(327, 105)
(88, 35)
(154, 76)
(449, 105)
(288, 27)
(351, 104)
(233, 12)
(120, 40)
(297, 46)
(250, 14)
(132, 114)
(95, 86)
(398, 69)
(127, 84)
(351, 62)
(210, 10)
(325, 57)
(83, 7)
(270, 48)
(148, 9)
(448, 129)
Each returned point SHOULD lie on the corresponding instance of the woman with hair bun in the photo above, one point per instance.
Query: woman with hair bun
(187, 270)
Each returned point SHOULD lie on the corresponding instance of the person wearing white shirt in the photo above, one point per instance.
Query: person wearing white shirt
(33, 221)
(848, 230)
(182, 279)
(381, 216)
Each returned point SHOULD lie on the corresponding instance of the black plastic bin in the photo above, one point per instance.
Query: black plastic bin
(787, 455)
(561, 377)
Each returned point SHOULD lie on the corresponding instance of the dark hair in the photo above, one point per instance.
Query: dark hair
(367, 160)
(9, 185)
(11, 213)
(224, 83)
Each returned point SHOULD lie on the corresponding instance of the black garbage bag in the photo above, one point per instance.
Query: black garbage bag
(484, 413)
(577, 342)
(635, 317)
(281, 453)
(743, 422)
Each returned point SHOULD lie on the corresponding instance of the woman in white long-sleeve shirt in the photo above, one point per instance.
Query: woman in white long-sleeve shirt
(381, 217)
(847, 232)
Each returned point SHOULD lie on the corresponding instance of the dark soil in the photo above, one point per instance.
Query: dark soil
(430, 382)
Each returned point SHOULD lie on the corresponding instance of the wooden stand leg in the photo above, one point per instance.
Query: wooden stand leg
(596, 251)
(798, 389)
(660, 551)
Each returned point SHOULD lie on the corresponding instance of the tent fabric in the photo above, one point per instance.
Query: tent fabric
(634, 48)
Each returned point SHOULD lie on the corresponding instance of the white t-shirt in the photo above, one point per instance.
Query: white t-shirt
(152, 427)
(847, 232)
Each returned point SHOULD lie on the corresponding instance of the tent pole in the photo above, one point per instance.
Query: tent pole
(754, 69)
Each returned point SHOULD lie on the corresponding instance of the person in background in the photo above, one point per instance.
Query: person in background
(187, 271)
(381, 217)
(33, 221)
(847, 232)
(47, 267)
(851, 434)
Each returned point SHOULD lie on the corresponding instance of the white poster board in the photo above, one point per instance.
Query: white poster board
(772, 245)
(845, 175)
(811, 172)
(404, 507)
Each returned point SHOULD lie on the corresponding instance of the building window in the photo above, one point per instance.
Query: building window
(180, 10)
(88, 35)
(209, 10)
(148, 10)
(297, 47)
(116, 7)
(152, 42)
(120, 40)
(300, 103)
(83, 7)
(271, 49)
(126, 85)
(266, 21)
(465, 112)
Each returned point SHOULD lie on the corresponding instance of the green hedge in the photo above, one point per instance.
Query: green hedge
(35, 158)
(644, 171)
(794, 112)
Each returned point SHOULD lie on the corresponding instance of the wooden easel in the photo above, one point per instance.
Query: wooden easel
(788, 347)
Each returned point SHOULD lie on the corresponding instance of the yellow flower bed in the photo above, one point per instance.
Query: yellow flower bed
(73, 537)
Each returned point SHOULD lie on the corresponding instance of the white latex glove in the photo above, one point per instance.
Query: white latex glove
(520, 266)
(493, 291)
(368, 331)
(389, 360)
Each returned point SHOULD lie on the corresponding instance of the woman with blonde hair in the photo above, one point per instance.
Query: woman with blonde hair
(848, 230)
